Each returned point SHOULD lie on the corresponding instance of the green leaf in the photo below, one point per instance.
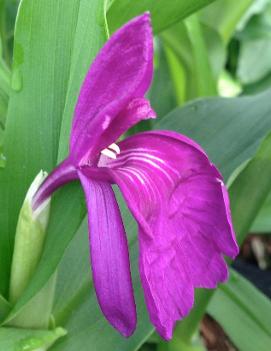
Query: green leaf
(12, 339)
(259, 86)
(255, 52)
(254, 61)
(224, 16)
(37, 312)
(203, 72)
(68, 202)
(39, 78)
(162, 103)
(4, 307)
(246, 187)
(244, 313)
(3, 39)
(199, 56)
(164, 13)
(262, 223)
(8, 9)
(179, 344)
(257, 7)
(178, 75)
(4, 91)
(72, 288)
(216, 50)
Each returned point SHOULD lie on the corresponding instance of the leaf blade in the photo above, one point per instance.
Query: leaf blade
(250, 308)
(36, 101)
(164, 14)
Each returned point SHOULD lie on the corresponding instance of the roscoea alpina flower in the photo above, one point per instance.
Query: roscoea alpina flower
(174, 192)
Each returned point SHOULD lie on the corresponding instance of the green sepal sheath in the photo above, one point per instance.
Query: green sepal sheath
(28, 247)
(29, 240)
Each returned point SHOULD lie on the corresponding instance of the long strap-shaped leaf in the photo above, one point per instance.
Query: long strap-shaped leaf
(43, 39)
(249, 329)
(164, 13)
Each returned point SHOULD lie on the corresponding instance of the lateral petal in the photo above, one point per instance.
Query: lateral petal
(109, 256)
(180, 203)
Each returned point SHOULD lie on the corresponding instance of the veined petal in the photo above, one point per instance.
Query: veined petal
(121, 72)
(180, 203)
(109, 256)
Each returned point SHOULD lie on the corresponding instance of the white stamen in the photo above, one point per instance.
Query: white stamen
(115, 148)
(109, 153)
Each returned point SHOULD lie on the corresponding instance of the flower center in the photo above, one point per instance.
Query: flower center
(111, 151)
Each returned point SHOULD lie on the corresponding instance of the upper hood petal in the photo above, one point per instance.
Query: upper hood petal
(121, 72)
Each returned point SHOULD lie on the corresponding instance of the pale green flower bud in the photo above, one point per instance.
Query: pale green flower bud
(29, 240)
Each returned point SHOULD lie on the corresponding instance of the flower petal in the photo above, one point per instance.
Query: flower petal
(121, 72)
(64, 173)
(109, 256)
(137, 110)
(180, 202)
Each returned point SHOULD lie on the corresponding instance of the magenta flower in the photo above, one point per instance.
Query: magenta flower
(174, 192)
